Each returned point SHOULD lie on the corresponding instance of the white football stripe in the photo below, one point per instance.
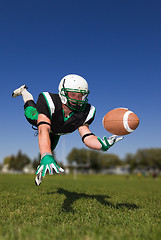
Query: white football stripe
(125, 121)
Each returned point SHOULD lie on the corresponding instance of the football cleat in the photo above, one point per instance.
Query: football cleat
(38, 178)
(18, 91)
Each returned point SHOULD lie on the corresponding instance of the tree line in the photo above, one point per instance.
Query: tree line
(96, 160)
(19, 161)
(143, 158)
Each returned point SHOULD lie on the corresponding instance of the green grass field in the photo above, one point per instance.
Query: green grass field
(88, 207)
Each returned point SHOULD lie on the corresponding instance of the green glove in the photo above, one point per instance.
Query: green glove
(48, 163)
(108, 142)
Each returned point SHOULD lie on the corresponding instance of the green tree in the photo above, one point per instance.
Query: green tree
(78, 156)
(36, 162)
(96, 159)
(17, 162)
(7, 160)
(144, 158)
(130, 159)
(110, 160)
(84, 156)
(149, 157)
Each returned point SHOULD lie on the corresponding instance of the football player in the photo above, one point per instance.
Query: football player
(57, 114)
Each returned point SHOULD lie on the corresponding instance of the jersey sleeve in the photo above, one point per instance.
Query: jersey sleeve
(90, 116)
(42, 106)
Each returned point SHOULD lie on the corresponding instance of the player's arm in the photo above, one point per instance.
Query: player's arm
(90, 141)
(43, 136)
(94, 142)
(44, 125)
(47, 160)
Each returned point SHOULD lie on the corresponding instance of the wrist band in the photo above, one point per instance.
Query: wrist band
(45, 155)
(86, 135)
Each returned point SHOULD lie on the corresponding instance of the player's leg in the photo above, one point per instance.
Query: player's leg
(54, 141)
(31, 113)
(22, 91)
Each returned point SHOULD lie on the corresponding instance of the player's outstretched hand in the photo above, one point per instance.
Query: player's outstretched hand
(48, 163)
(106, 143)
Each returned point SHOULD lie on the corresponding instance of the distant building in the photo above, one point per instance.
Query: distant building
(28, 169)
(118, 170)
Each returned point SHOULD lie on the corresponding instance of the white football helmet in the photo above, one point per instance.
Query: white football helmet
(73, 83)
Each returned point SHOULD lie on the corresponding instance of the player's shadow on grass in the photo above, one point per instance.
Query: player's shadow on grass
(71, 197)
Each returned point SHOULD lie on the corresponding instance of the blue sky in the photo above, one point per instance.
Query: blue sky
(114, 45)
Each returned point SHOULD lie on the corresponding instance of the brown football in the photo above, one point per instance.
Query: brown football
(120, 121)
